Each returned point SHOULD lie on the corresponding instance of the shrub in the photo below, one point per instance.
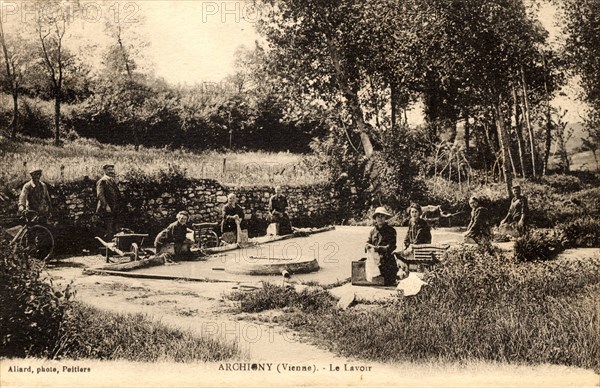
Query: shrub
(33, 311)
(171, 176)
(537, 245)
(397, 166)
(582, 232)
(562, 183)
(272, 297)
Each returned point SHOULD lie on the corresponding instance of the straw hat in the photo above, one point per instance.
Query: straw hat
(381, 210)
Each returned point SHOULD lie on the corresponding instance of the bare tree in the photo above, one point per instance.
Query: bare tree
(15, 66)
(51, 23)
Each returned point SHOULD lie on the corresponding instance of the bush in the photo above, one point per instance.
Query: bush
(538, 245)
(274, 297)
(562, 183)
(397, 166)
(32, 310)
(583, 232)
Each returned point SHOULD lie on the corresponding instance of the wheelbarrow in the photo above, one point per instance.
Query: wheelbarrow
(125, 244)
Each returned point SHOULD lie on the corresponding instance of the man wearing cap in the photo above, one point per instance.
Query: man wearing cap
(109, 200)
(516, 219)
(35, 197)
(278, 210)
(175, 234)
(383, 240)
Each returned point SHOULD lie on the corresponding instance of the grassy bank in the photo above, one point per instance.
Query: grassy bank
(97, 334)
(476, 307)
(84, 157)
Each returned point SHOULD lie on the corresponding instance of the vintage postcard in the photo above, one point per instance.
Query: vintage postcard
(274, 193)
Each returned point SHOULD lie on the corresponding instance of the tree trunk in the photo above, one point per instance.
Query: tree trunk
(451, 127)
(15, 120)
(467, 134)
(519, 132)
(11, 78)
(548, 127)
(547, 142)
(504, 142)
(351, 96)
(394, 104)
(57, 118)
(529, 127)
(511, 155)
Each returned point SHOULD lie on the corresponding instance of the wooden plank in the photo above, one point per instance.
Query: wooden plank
(150, 262)
(98, 271)
(269, 268)
(112, 247)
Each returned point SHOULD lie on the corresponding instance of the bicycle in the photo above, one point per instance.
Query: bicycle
(36, 240)
(205, 235)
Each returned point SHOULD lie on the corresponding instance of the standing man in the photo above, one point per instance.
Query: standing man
(109, 200)
(232, 217)
(516, 219)
(35, 197)
(278, 210)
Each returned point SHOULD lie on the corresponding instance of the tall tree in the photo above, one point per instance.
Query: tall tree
(121, 62)
(17, 55)
(51, 22)
(582, 50)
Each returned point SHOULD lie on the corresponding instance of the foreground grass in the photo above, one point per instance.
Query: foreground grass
(97, 334)
(39, 319)
(84, 157)
(476, 307)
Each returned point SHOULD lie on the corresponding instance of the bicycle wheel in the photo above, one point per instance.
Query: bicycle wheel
(209, 240)
(37, 242)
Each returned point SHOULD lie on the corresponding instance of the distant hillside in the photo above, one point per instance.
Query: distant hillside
(574, 144)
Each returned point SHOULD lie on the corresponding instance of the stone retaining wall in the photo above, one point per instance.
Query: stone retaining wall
(150, 207)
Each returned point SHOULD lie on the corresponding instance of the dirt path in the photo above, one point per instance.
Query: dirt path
(197, 306)
(201, 307)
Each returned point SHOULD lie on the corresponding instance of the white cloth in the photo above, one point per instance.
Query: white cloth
(411, 285)
(372, 264)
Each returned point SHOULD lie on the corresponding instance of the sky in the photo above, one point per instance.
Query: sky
(194, 41)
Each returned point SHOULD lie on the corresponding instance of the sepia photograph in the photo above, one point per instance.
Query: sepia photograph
(284, 193)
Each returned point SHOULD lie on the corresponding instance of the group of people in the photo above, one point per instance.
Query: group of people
(232, 216)
(382, 238)
(35, 198)
(479, 230)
